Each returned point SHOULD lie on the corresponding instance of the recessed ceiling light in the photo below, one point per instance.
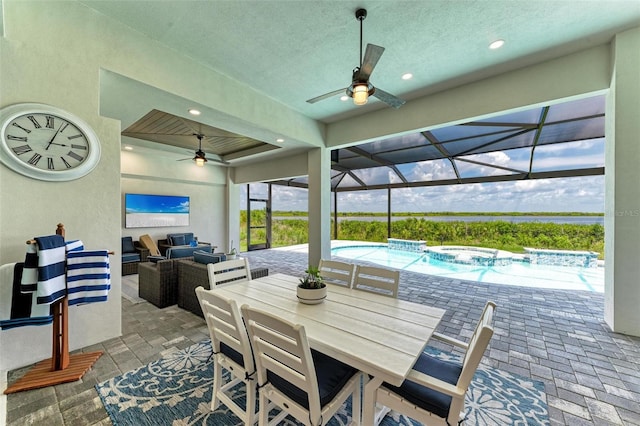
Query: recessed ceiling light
(407, 76)
(496, 44)
(279, 140)
(194, 111)
(128, 148)
(344, 98)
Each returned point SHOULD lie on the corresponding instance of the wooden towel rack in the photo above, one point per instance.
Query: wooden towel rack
(61, 367)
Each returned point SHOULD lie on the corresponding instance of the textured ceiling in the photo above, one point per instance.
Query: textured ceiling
(292, 51)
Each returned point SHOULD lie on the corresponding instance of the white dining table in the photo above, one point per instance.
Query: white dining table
(379, 335)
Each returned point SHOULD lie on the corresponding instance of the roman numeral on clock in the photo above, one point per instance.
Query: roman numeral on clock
(50, 163)
(65, 163)
(17, 138)
(75, 156)
(50, 121)
(34, 160)
(20, 127)
(74, 146)
(34, 121)
(22, 149)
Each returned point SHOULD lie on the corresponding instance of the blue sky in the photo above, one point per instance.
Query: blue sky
(583, 194)
(579, 194)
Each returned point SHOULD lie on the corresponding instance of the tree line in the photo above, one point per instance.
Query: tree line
(502, 235)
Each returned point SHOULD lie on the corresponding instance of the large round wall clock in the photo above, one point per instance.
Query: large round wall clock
(47, 143)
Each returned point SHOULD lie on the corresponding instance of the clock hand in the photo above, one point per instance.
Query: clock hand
(59, 144)
(54, 136)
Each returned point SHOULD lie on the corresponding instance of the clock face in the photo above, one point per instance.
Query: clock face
(47, 143)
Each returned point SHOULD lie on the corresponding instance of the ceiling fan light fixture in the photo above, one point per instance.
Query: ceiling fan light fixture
(360, 94)
(200, 161)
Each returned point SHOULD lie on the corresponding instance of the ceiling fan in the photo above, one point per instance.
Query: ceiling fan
(360, 88)
(200, 157)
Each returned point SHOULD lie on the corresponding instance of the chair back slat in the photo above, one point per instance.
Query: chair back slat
(228, 272)
(377, 280)
(336, 272)
(477, 345)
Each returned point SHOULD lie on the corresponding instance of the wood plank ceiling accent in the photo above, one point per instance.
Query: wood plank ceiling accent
(168, 129)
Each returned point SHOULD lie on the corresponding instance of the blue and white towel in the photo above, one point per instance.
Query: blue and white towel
(73, 245)
(51, 285)
(88, 276)
(44, 267)
(18, 309)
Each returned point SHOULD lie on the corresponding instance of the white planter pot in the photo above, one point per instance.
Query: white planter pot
(231, 256)
(311, 296)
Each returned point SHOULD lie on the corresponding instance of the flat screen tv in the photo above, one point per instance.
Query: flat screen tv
(147, 210)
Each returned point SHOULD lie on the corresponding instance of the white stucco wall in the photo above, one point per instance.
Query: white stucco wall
(146, 173)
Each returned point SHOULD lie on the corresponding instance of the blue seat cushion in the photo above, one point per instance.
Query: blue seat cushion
(127, 245)
(332, 376)
(426, 398)
(130, 257)
(185, 251)
(202, 256)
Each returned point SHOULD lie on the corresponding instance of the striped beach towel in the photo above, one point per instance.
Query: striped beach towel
(18, 309)
(88, 276)
(44, 267)
(51, 285)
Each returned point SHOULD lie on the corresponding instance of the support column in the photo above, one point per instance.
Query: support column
(622, 186)
(233, 214)
(319, 167)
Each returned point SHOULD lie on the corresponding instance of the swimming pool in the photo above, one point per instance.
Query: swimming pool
(517, 273)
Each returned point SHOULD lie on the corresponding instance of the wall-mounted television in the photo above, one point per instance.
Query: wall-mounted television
(148, 210)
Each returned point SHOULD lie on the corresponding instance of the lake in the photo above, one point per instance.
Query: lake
(575, 220)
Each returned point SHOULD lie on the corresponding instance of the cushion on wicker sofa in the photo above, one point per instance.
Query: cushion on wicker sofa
(205, 257)
(129, 253)
(185, 251)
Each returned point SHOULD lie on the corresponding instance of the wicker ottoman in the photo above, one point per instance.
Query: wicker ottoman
(192, 275)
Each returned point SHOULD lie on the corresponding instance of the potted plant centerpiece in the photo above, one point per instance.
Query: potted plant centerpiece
(232, 252)
(311, 289)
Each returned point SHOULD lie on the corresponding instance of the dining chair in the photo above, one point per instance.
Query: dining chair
(229, 271)
(232, 352)
(336, 272)
(433, 393)
(376, 280)
(302, 382)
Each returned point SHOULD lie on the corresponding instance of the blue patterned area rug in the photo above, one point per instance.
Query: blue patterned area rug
(176, 391)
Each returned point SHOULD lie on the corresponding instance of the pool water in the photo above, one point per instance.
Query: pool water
(518, 273)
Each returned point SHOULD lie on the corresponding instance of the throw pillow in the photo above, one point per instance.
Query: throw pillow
(178, 240)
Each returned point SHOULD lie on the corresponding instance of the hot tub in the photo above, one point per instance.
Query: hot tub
(470, 255)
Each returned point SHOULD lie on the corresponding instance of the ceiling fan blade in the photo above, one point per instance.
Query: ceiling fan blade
(388, 98)
(326, 96)
(371, 57)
